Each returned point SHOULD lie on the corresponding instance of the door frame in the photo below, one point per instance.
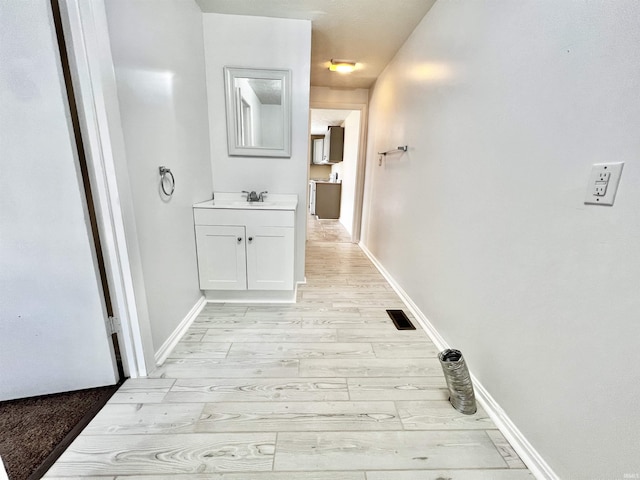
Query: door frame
(86, 35)
(356, 227)
(88, 193)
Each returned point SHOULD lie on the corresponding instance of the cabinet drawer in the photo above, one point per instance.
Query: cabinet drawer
(258, 218)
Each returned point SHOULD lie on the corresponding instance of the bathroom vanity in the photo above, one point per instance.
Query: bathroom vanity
(246, 249)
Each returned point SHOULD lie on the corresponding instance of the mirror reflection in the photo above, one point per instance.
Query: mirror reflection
(259, 104)
(258, 112)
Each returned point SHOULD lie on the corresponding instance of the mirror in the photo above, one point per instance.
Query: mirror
(258, 106)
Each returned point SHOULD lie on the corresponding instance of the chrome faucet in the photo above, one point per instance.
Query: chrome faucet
(252, 196)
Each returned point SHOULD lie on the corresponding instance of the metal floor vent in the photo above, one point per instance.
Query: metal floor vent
(400, 320)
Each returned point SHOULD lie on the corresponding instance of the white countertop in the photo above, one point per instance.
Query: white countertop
(238, 201)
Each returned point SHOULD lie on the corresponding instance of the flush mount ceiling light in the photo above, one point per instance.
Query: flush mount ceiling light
(342, 66)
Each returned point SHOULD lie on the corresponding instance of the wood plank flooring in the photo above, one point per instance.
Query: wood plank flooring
(324, 389)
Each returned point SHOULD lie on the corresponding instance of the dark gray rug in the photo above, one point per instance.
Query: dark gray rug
(35, 431)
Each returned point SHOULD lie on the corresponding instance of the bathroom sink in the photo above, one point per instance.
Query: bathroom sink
(253, 204)
(235, 201)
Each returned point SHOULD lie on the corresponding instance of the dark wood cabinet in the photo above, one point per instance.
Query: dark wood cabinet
(328, 199)
(334, 144)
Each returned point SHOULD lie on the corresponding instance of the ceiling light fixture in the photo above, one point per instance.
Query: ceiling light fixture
(342, 66)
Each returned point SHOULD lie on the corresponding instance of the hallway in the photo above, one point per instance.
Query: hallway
(326, 388)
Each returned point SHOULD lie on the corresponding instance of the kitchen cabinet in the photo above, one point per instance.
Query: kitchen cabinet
(327, 199)
(245, 249)
(334, 145)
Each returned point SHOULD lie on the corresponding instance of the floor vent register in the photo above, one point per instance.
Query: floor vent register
(400, 320)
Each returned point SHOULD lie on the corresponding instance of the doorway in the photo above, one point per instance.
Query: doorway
(336, 171)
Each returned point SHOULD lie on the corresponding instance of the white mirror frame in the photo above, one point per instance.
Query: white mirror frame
(233, 118)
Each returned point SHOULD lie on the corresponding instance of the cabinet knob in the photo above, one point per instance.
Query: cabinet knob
(251, 239)
(239, 239)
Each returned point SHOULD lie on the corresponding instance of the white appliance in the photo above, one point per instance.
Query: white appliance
(312, 197)
(318, 150)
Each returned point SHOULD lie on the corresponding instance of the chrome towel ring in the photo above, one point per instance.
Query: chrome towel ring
(164, 172)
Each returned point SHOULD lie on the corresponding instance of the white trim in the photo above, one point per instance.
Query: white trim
(170, 343)
(81, 31)
(529, 455)
(3, 472)
(252, 296)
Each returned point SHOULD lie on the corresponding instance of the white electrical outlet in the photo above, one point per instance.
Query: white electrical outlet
(603, 183)
(600, 189)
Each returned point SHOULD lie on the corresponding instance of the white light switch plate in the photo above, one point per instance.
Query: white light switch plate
(607, 175)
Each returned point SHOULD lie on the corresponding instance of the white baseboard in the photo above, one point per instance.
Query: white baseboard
(529, 455)
(514, 436)
(3, 472)
(166, 348)
(252, 296)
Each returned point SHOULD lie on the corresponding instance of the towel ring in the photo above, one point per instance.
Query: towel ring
(164, 171)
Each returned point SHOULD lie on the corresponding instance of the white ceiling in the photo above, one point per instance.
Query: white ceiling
(322, 118)
(269, 92)
(367, 31)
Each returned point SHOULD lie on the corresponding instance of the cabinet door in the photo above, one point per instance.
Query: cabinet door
(328, 200)
(221, 257)
(335, 145)
(270, 252)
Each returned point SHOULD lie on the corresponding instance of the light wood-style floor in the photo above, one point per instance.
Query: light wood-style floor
(325, 389)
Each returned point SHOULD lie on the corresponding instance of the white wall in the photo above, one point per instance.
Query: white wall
(259, 42)
(505, 106)
(339, 96)
(52, 331)
(159, 62)
(347, 169)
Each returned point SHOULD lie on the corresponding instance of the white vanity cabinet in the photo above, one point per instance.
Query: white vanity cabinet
(248, 248)
(222, 261)
(270, 258)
